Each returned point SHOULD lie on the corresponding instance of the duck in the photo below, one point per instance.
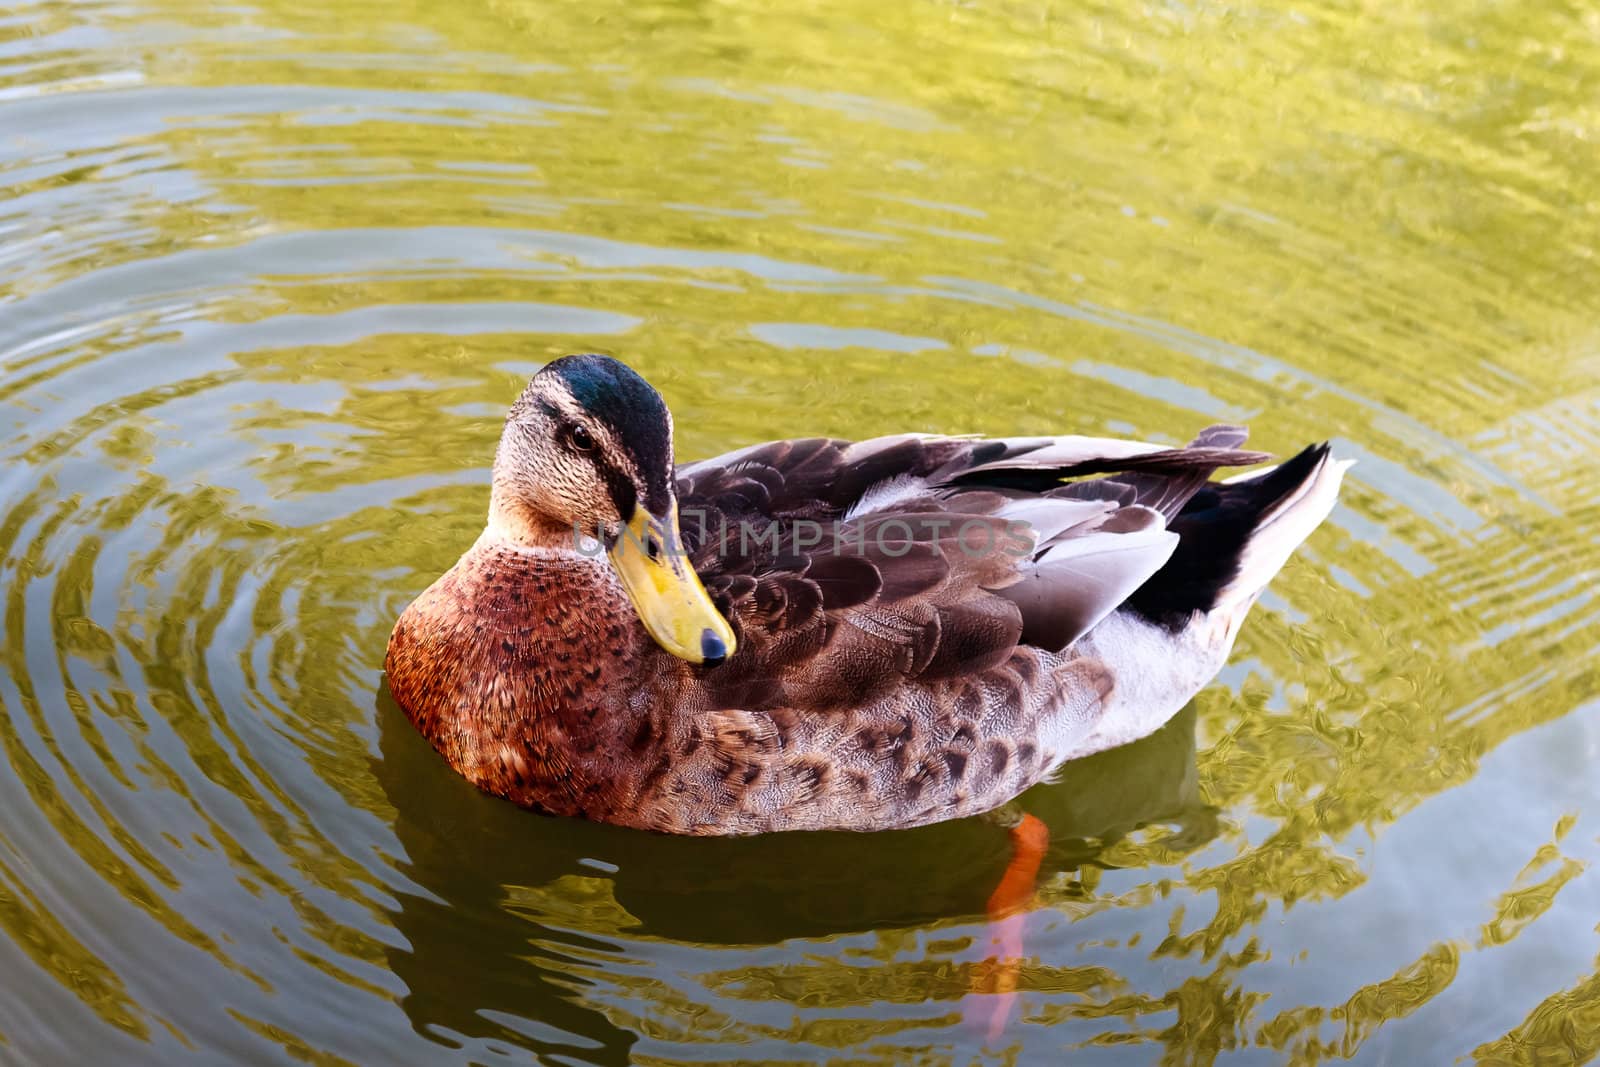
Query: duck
(826, 634)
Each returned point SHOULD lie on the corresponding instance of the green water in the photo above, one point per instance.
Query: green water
(271, 272)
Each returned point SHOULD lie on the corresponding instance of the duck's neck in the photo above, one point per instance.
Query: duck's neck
(516, 665)
(514, 525)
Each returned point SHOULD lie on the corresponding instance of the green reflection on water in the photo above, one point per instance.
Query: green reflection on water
(270, 273)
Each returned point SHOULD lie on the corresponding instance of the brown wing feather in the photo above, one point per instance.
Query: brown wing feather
(850, 569)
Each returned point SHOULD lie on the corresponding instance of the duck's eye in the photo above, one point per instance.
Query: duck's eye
(581, 439)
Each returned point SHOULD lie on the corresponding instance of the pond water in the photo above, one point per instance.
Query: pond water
(270, 273)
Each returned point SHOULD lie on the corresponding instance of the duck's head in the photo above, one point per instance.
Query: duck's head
(587, 453)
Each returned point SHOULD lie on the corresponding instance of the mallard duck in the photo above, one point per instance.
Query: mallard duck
(825, 634)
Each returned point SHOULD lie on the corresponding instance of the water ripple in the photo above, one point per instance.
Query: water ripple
(269, 274)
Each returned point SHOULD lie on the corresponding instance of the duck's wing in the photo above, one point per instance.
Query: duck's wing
(847, 568)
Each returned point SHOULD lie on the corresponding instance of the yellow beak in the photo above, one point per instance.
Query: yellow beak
(666, 592)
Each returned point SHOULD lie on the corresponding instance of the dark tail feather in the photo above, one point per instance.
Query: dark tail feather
(1172, 476)
(1170, 493)
(1216, 527)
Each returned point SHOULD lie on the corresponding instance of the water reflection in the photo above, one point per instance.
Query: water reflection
(578, 938)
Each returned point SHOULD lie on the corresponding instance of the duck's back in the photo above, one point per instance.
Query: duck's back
(928, 626)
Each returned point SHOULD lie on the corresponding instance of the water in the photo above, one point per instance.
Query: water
(271, 272)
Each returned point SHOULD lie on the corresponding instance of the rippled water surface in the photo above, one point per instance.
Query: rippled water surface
(270, 273)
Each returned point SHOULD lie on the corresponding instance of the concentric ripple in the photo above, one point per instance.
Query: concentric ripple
(269, 274)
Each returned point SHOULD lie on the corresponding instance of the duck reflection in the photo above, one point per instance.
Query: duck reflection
(571, 938)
